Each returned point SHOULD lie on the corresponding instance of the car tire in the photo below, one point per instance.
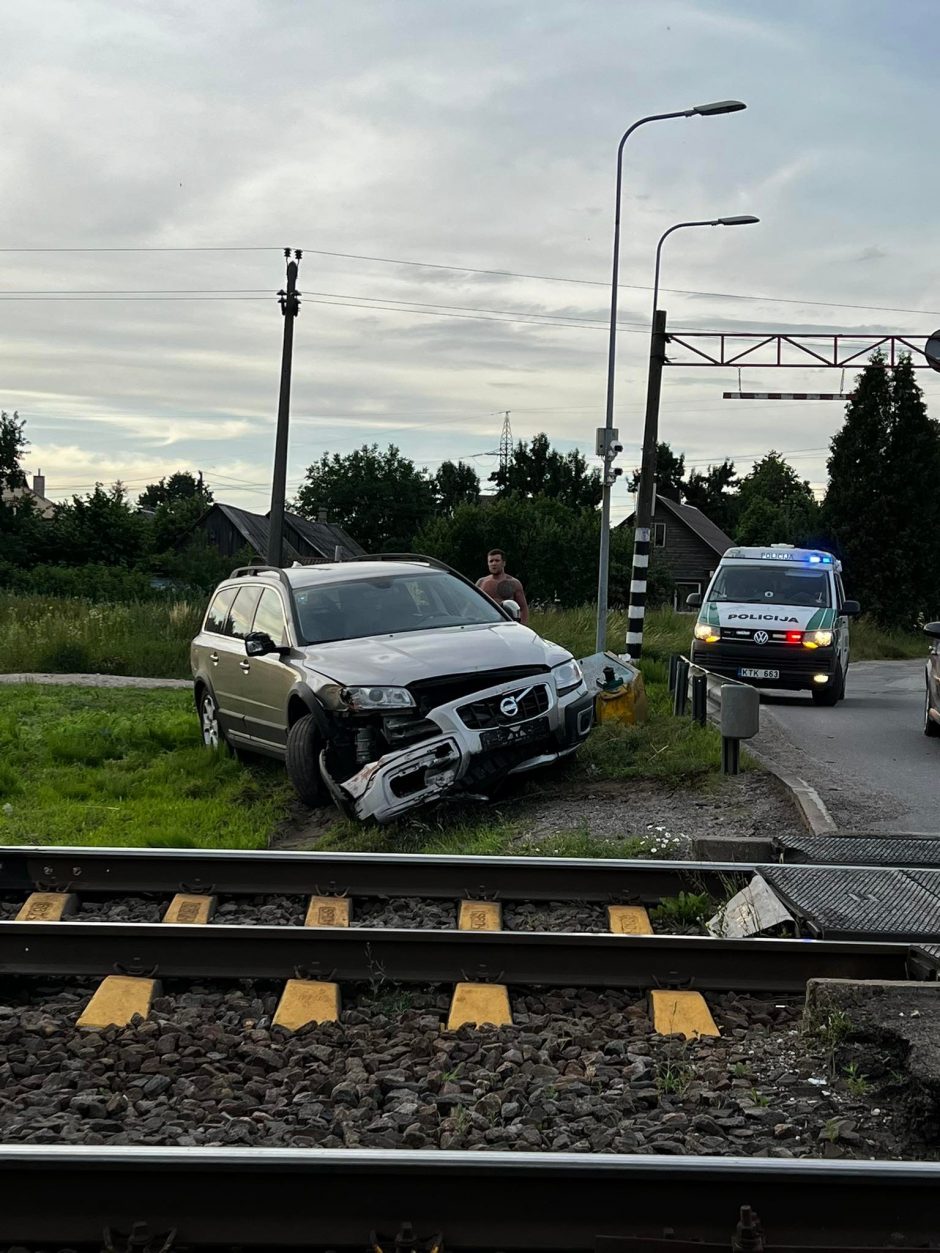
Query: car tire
(832, 693)
(303, 761)
(210, 725)
(931, 728)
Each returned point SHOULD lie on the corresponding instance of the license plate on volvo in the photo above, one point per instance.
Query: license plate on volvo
(748, 672)
(500, 737)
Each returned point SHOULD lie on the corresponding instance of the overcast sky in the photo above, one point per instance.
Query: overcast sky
(428, 141)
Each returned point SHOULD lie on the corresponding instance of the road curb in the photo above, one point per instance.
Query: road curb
(95, 680)
(811, 806)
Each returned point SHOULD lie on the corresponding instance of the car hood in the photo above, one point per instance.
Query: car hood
(753, 617)
(397, 660)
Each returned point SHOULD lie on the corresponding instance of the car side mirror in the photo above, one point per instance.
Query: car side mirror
(694, 600)
(851, 608)
(933, 628)
(259, 644)
(512, 608)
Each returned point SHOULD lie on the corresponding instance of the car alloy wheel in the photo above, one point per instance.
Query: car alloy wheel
(209, 719)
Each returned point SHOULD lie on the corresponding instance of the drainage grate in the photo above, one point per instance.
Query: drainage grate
(863, 902)
(853, 850)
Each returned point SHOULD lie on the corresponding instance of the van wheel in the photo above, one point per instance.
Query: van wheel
(833, 692)
(303, 761)
(931, 728)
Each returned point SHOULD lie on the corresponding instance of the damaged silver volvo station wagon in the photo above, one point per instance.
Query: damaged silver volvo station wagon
(382, 682)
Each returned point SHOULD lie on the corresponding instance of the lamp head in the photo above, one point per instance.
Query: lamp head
(745, 219)
(718, 106)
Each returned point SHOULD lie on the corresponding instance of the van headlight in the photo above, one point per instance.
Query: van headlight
(817, 639)
(567, 677)
(709, 634)
(362, 698)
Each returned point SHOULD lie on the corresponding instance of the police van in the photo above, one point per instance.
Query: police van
(776, 617)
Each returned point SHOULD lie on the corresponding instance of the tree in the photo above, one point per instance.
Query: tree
(549, 546)
(670, 474)
(98, 528)
(540, 470)
(775, 506)
(380, 498)
(853, 511)
(177, 502)
(20, 523)
(909, 503)
(180, 486)
(455, 485)
(715, 494)
(13, 443)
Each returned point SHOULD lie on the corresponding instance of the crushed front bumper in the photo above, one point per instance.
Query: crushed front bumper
(465, 757)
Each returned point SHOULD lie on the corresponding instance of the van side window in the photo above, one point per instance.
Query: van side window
(840, 591)
(218, 611)
(243, 610)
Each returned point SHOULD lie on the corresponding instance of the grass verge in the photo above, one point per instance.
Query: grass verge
(95, 766)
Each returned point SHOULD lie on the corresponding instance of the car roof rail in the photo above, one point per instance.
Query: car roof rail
(416, 557)
(246, 571)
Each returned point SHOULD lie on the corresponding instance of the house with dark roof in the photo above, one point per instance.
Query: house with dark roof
(232, 530)
(690, 543)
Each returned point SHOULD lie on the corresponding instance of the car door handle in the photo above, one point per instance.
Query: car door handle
(214, 658)
(244, 665)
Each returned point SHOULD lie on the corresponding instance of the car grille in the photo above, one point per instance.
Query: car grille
(489, 712)
(429, 693)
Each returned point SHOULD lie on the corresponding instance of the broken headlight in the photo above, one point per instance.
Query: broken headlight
(378, 698)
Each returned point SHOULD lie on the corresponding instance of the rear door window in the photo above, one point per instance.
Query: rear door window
(242, 612)
(218, 611)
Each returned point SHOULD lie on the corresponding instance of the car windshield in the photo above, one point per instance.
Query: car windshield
(764, 584)
(386, 605)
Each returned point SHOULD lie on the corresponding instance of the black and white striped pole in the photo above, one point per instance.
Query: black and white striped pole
(646, 492)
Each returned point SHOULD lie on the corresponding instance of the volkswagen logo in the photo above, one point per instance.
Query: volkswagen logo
(509, 707)
(761, 637)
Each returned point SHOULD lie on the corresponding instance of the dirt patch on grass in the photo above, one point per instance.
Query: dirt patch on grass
(600, 816)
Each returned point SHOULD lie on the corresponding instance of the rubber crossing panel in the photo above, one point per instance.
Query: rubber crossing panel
(861, 902)
(848, 850)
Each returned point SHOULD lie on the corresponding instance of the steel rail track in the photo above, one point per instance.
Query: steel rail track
(417, 956)
(315, 1198)
(358, 874)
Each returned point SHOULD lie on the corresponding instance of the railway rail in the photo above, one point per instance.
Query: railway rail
(178, 1199)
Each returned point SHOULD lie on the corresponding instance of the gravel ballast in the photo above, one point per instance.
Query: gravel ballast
(579, 1071)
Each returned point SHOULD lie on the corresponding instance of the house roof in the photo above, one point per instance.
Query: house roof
(45, 507)
(325, 537)
(696, 521)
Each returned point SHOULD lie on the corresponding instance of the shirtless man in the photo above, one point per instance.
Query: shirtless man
(500, 586)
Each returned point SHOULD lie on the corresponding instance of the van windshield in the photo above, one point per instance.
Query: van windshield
(765, 584)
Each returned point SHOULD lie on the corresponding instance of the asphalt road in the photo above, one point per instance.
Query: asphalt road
(868, 757)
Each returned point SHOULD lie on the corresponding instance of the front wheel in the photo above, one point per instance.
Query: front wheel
(303, 761)
(833, 692)
(931, 728)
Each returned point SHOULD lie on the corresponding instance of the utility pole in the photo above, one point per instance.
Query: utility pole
(290, 307)
(646, 494)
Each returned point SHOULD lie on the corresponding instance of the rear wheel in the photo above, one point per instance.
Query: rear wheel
(931, 727)
(833, 692)
(209, 725)
(303, 761)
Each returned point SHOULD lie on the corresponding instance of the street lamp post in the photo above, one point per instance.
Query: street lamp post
(643, 519)
(607, 434)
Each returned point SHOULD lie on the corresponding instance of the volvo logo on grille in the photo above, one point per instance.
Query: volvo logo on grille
(509, 707)
(761, 637)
